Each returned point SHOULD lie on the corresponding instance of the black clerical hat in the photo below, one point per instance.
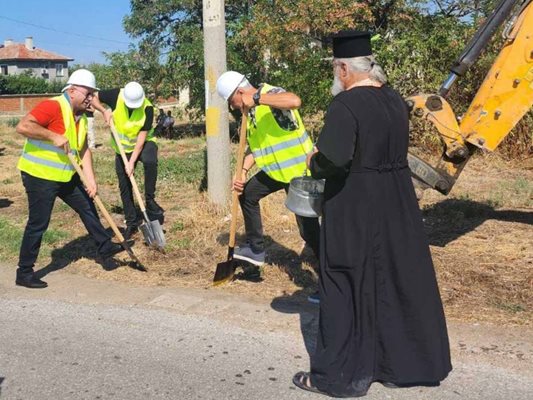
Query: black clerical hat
(348, 44)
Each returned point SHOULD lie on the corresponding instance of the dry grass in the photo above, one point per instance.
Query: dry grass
(481, 235)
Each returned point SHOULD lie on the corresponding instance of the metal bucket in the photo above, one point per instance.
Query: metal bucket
(305, 196)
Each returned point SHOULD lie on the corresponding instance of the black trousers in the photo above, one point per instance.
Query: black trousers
(41, 197)
(259, 186)
(148, 157)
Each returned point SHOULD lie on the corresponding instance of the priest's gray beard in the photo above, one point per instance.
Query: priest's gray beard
(337, 86)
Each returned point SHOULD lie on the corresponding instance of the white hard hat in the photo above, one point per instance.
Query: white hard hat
(82, 77)
(228, 82)
(133, 95)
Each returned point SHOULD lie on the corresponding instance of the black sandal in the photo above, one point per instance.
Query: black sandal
(303, 381)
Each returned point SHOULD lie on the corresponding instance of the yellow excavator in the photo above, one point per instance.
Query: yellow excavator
(502, 100)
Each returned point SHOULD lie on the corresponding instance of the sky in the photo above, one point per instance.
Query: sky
(77, 29)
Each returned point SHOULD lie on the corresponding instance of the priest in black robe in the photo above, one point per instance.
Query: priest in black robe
(381, 315)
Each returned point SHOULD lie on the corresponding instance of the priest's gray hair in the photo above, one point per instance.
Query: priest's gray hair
(366, 64)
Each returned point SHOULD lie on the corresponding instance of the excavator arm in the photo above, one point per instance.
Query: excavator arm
(502, 100)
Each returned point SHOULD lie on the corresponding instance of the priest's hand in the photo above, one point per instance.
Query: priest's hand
(310, 155)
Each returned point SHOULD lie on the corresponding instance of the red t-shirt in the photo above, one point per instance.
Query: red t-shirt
(48, 115)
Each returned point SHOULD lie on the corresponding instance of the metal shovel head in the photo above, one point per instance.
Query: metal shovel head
(153, 234)
(225, 270)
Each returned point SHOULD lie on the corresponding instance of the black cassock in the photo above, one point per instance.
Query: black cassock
(381, 316)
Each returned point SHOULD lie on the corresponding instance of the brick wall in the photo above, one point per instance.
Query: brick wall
(17, 104)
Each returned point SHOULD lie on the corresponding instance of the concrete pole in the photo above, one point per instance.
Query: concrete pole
(216, 109)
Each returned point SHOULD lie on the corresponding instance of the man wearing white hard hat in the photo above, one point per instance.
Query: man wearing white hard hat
(133, 115)
(278, 144)
(53, 128)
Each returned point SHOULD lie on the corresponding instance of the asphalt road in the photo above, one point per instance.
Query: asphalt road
(84, 339)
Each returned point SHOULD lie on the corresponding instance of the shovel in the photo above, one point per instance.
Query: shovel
(152, 230)
(106, 215)
(225, 270)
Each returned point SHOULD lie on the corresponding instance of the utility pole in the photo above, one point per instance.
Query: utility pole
(216, 109)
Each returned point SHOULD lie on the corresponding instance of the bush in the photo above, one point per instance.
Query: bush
(27, 84)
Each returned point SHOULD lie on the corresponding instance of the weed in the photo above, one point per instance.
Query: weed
(12, 122)
(10, 239)
(509, 307)
(178, 226)
(11, 143)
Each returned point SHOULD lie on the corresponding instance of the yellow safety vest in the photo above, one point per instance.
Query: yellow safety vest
(40, 158)
(280, 153)
(128, 127)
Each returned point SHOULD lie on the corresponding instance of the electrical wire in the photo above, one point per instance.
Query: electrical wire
(63, 32)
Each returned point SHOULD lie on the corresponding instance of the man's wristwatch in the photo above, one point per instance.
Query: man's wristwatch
(257, 97)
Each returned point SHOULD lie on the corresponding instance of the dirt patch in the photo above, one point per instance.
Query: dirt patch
(481, 235)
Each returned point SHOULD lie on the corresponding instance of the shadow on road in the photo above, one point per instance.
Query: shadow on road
(1, 380)
(297, 304)
(452, 218)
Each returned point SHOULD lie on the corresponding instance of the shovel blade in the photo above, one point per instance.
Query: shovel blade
(137, 263)
(224, 272)
(153, 234)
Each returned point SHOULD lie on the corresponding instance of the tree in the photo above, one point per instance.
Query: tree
(285, 43)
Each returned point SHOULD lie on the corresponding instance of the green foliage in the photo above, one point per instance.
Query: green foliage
(12, 122)
(23, 84)
(284, 43)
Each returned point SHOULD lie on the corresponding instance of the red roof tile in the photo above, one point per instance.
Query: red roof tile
(18, 51)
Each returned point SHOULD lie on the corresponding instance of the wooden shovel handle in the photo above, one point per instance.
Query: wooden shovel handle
(96, 199)
(125, 161)
(238, 173)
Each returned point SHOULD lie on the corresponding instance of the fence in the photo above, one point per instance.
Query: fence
(14, 105)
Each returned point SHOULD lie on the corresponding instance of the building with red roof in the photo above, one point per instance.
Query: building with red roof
(17, 58)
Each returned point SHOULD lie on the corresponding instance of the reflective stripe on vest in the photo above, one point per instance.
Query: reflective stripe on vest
(40, 158)
(286, 164)
(284, 145)
(281, 154)
(129, 126)
(51, 164)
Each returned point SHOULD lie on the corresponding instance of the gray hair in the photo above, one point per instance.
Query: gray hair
(365, 64)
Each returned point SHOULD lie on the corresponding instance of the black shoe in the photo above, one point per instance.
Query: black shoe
(130, 231)
(113, 249)
(31, 282)
(154, 208)
(155, 211)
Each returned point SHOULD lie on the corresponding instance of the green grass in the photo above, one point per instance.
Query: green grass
(512, 193)
(509, 307)
(11, 143)
(189, 168)
(104, 169)
(12, 122)
(179, 244)
(54, 236)
(178, 226)
(11, 239)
